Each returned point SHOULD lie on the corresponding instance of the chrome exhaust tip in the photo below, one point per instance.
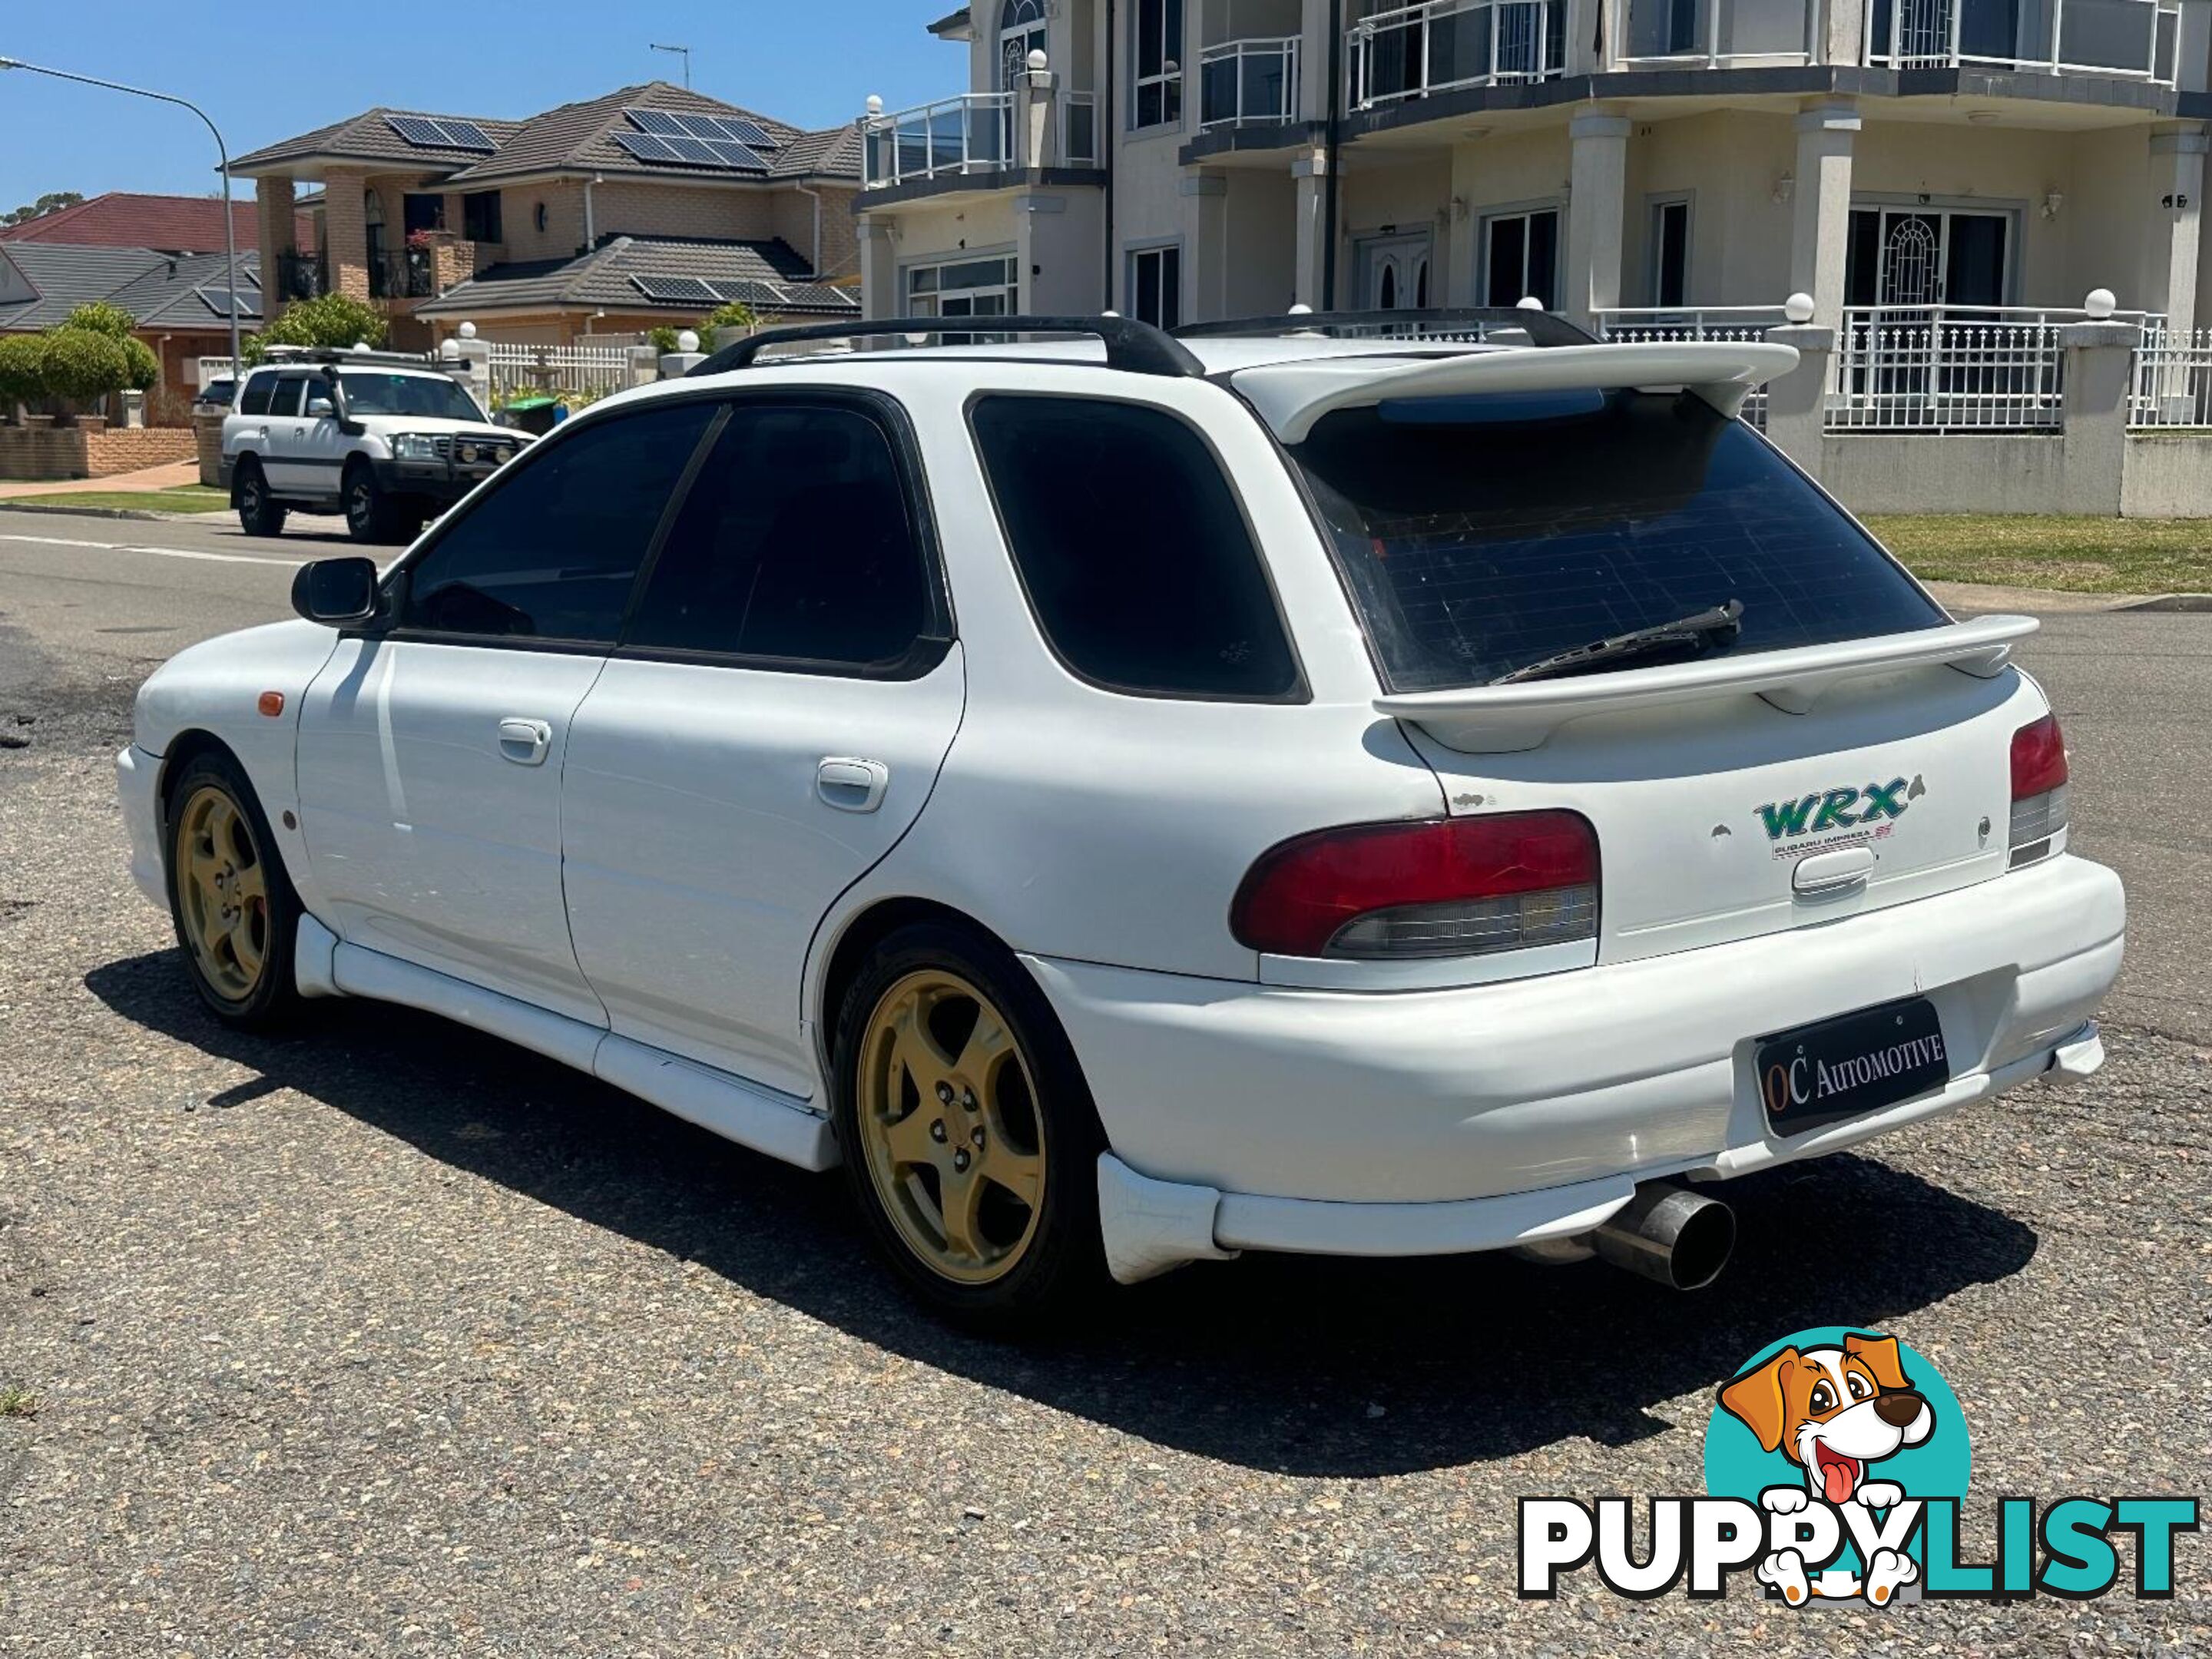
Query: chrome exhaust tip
(1670, 1234)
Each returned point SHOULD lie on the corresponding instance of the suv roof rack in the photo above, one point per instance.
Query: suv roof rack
(1136, 347)
(1543, 328)
(344, 355)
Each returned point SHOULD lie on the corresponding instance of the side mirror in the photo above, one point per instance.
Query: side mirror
(337, 592)
(319, 408)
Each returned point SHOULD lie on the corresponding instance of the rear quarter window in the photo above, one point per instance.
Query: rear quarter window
(1136, 558)
(1480, 535)
(256, 400)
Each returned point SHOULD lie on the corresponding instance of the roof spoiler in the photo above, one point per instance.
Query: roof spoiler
(1292, 396)
(1495, 720)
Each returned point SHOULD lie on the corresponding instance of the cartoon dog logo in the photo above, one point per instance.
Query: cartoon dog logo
(1834, 1411)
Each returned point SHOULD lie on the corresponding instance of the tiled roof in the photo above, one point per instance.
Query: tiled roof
(370, 136)
(771, 277)
(122, 218)
(572, 138)
(155, 287)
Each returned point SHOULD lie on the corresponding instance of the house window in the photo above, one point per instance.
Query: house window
(480, 216)
(1670, 254)
(1156, 286)
(1159, 79)
(1521, 257)
(964, 288)
(422, 211)
(1021, 31)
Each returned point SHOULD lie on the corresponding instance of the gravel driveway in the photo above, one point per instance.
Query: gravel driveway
(389, 1338)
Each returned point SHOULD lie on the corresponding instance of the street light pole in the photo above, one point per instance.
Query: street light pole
(229, 231)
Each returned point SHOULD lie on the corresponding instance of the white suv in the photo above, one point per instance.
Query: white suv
(1376, 797)
(387, 440)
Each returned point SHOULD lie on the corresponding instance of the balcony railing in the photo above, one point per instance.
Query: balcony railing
(2133, 39)
(1719, 33)
(974, 132)
(300, 277)
(1671, 322)
(405, 275)
(1243, 82)
(1444, 44)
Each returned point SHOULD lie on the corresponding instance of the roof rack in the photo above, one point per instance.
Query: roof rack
(1136, 347)
(343, 356)
(1543, 328)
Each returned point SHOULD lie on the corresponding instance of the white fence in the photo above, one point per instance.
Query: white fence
(2172, 386)
(1949, 369)
(586, 371)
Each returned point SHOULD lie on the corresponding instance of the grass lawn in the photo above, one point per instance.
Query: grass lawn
(182, 498)
(2085, 555)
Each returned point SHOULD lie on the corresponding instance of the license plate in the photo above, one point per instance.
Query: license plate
(1821, 1073)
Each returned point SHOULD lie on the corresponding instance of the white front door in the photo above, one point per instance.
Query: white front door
(1394, 273)
(430, 757)
(769, 727)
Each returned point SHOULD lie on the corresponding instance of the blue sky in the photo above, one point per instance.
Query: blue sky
(265, 72)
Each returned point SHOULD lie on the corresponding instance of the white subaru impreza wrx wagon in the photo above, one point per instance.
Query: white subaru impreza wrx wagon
(1132, 800)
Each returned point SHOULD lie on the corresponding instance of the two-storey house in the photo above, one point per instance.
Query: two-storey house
(650, 205)
(1186, 160)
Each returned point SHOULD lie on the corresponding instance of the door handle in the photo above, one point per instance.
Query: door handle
(525, 742)
(851, 785)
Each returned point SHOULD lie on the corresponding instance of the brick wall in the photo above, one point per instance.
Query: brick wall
(207, 441)
(564, 219)
(64, 451)
(346, 228)
(731, 214)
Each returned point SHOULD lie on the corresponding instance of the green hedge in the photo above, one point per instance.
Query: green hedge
(333, 320)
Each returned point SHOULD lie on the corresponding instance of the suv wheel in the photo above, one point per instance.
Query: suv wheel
(257, 515)
(969, 1139)
(371, 514)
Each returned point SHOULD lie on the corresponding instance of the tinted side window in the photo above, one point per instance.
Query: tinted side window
(256, 400)
(1135, 557)
(794, 543)
(285, 398)
(551, 552)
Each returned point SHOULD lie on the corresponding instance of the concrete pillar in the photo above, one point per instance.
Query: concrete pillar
(275, 223)
(1310, 173)
(347, 227)
(2099, 357)
(1205, 246)
(1821, 224)
(1597, 190)
(2177, 197)
(879, 295)
(1035, 142)
(1797, 403)
(476, 356)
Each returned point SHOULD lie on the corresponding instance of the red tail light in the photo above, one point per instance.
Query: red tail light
(1448, 887)
(2038, 790)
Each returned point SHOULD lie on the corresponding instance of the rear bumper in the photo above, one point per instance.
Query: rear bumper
(1415, 1122)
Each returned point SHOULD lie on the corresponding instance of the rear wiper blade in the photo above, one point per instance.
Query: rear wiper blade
(1720, 622)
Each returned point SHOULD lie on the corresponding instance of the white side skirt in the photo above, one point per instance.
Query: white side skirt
(780, 1125)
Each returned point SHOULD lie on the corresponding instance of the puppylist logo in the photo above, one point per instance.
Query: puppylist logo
(1836, 1467)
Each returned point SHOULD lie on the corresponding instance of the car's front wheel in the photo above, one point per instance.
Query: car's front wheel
(371, 512)
(969, 1139)
(257, 514)
(235, 912)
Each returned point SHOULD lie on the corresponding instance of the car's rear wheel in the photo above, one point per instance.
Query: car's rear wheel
(969, 1139)
(371, 512)
(235, 912)
(257, 514)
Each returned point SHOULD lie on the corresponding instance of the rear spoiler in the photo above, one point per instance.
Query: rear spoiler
(1291, 396)
(1492, 719)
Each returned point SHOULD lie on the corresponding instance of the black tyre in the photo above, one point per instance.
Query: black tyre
(970, 1138)
(257, 514)
(371, 512)
(236, 915)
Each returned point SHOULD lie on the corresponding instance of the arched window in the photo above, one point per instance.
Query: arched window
(1021, 31)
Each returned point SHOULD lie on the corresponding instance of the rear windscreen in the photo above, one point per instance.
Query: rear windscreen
(1480, 535)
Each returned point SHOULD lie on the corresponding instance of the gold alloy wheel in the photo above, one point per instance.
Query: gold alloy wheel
(222, 893)
(949, 1128)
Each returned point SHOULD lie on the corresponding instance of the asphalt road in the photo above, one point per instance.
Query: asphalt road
(390, 1339)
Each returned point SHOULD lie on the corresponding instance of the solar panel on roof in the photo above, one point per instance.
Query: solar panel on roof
(219, 301)
(420, 130)
(645, 146)
(694, 150)
(656, 120)
(677, 290)
(746, 132)
(731, 153)
(467, 134)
